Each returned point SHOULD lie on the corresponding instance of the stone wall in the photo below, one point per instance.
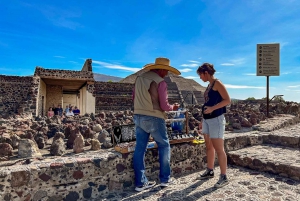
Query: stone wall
(54, 96)
(89, 176)
(87, 66)
(70, 99)
(18, 94)
(91, 101)
(86, 176)
(64, 74)
(113, 96)
(118, 96)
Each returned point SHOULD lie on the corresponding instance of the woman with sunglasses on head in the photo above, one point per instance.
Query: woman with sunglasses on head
(213, 123)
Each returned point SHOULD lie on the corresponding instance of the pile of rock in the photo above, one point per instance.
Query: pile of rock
(58, 135)
(246, 114)
(24, 137)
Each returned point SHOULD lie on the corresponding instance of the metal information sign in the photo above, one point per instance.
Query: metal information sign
(267, 60)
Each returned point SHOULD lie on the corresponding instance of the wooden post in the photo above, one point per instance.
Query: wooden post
(267, 96)
(186, 122)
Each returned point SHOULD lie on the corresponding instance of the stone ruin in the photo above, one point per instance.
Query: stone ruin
(33, 95)
(72, 158)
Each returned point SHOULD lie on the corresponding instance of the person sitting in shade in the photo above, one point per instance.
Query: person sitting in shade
(55, 110)
(59, 111)
(70, 113)
(67, 109)
(50, 112)
(76, 111)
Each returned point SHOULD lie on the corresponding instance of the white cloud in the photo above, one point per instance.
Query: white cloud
(295, 86)
(115, 66)
(293, 91)
(185, 70)
(192, 61)
(189, 65)
(230, 86)
(227, 64)
(59, 57)
(238, 61)
(250, 74)
(283, 44)
(191, 77)
(233, 62)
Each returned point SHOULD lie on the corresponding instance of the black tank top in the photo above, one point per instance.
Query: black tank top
(212, 98)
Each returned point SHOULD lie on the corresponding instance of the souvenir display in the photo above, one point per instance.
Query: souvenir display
(123, 136)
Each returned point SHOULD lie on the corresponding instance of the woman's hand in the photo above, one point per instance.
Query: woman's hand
(208, 110)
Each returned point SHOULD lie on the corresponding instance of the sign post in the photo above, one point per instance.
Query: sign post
(268, 63)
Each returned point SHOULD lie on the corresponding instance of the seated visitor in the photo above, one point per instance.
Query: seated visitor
(76, 111)
(70, 113)
(50, 112)
(67, 109)
(59, 110)
(55, 109)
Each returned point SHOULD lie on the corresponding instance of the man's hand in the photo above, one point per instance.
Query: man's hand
(200, 126)
(175, 106)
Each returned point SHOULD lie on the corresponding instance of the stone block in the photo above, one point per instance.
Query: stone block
(20, 178)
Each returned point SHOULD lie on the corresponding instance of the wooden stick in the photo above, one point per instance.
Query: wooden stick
(186, 122)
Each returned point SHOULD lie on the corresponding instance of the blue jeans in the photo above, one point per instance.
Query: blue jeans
(156, 127)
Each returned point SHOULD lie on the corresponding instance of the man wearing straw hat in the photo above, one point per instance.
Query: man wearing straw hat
(150, 104)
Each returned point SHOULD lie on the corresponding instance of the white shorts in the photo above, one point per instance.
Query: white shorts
(214, 127)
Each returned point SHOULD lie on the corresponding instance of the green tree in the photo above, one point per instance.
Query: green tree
(250, 98)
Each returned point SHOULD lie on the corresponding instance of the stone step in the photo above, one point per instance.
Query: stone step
(274, 159)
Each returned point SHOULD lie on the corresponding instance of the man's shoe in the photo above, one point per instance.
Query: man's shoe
(207, 174)
(170, 182)
(146, 185)
(223, 181)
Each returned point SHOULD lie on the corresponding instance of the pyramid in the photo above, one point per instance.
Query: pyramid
(180, 89)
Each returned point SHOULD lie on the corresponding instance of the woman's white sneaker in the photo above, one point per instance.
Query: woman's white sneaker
(223, 181)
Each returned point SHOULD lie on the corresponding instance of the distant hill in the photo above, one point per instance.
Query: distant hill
(235, 99)
(105, 78)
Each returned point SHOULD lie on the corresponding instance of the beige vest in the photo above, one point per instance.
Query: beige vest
(146, 99)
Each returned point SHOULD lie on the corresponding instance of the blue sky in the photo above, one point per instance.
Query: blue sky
(122, 36)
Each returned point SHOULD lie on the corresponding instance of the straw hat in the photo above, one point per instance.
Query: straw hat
(162, 63)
